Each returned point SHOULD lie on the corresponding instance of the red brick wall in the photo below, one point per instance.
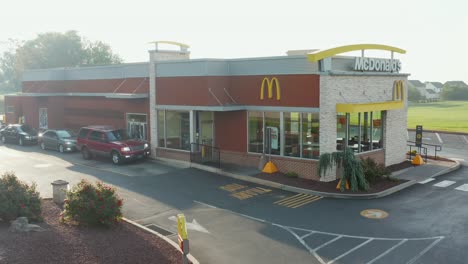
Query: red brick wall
(377, 155)
(296, 90)
(231, 130)
(306, 169)
(128, 85)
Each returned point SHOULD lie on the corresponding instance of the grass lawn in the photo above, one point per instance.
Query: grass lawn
(444, 116)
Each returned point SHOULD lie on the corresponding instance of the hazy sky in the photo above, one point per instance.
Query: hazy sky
(434, 32)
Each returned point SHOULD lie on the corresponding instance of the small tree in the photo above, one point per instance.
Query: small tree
(352, 168)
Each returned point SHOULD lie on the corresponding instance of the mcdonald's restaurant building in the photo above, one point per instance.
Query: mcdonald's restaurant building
(310, 102)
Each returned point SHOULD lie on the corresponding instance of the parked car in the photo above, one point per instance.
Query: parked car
(19, 133)
(109, 142)
(62, 140)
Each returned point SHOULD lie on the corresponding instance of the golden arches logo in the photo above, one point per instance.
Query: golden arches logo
(269, 83)
(398, 91)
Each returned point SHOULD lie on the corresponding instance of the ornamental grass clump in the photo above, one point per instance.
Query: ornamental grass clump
(18, 199)
(352, 168)
(89, 204)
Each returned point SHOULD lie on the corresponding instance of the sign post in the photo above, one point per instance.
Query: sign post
(419, 131)
(183, 237)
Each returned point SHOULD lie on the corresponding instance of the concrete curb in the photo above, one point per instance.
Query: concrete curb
(323, 194)
(172, 243)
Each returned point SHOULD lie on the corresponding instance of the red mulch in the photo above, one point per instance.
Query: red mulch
(330, 187)
(61, 243)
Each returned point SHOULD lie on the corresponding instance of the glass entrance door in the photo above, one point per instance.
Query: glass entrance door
(205, 128)
(137, 126)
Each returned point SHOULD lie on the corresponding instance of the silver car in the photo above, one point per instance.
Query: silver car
(62, 140)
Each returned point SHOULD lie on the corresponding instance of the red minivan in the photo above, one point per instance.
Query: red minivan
(109, 142)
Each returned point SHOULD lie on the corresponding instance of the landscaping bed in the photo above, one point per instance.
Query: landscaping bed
(379, 185)
(62, 243)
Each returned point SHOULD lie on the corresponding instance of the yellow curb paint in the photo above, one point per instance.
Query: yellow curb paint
(374, 214)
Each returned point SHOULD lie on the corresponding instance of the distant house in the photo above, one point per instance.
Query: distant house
(456, 84)
(418, 85)
(432, 95)
(435, 86)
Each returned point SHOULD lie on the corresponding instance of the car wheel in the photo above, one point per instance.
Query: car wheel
(85, 153)
(115, 157)
(43, 147)
(20, 141)
(3, 139)
(61, 149)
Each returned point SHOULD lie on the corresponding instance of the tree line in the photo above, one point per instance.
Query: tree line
(450, 93)
(50, 50)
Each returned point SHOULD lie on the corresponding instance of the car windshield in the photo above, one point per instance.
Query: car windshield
(65, 134)
(117, 135)
(26, 128)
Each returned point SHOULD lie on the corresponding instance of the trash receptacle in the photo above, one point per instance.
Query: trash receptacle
(59, 191)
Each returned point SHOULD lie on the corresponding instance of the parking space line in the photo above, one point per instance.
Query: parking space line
(466, 140)
(439, 138)
(306, 235)
(424, 251)
(351, 250)
(326, 244)
(387, 251)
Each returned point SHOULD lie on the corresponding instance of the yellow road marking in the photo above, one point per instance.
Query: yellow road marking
(232, 187)
(298, 200)
(242, 195)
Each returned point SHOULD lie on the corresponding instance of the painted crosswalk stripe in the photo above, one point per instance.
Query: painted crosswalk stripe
(298, 200)
(444, 184)
(426, 180)
(463, 187)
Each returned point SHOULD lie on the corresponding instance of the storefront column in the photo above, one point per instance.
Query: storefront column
(192, 127)
(152, 98)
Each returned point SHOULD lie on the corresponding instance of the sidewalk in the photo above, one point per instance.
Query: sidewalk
(412, 175)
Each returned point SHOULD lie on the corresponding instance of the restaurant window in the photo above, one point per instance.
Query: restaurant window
(292, 122)
(161, 129)
(364, 131)
(310, 135)
(177, 129)
(255, 132)
(301, 133)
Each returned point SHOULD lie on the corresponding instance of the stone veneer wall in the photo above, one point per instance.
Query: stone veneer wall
(336, 89)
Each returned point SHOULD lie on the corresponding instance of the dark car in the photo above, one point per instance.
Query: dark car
(61, 139)
(109, 142)
(19, 133)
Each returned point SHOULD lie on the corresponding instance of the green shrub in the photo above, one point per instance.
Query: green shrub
(291, 174)
(90, 204)
(373, 171)
(18, 199)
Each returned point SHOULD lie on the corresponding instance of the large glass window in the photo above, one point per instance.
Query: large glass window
(161, 136)
(256, 132)
(272, 122)
(300, 133)
(310, 135)
(365, 131)
(292, 122)
(178, 130)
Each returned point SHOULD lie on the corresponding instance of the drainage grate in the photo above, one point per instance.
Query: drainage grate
(160, 230)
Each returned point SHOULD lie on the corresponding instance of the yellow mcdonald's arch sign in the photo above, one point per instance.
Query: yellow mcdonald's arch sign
(398, 91)
(269, 84)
